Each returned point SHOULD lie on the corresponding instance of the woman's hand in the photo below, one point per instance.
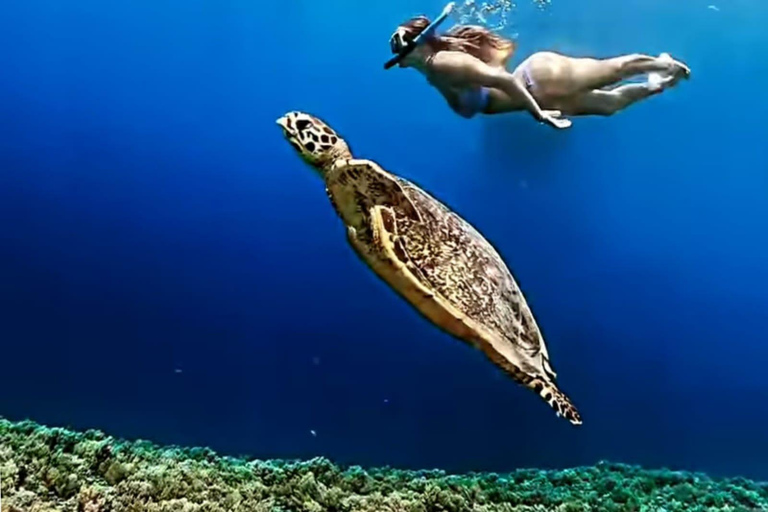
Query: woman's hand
(554, 118)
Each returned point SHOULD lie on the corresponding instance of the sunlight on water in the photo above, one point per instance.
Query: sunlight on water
(493, 15)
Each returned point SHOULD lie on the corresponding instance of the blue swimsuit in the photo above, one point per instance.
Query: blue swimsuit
(473, 101)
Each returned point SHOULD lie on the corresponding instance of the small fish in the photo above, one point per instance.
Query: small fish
(713, 8)
(314, 434)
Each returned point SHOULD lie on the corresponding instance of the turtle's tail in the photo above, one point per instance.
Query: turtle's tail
(556, 399)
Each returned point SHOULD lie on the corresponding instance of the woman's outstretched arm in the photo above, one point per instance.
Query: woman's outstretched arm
(464, 70)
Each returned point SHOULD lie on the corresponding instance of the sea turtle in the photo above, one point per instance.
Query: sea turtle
(430, 256)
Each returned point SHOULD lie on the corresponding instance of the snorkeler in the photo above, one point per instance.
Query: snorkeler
(467, 64)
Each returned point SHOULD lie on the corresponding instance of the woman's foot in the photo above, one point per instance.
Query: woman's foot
(676, 68)
(657, 82)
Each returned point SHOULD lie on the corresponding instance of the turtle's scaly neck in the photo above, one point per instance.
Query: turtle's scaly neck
(334, 156)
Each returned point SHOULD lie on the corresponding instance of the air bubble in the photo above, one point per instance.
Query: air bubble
(494, 15)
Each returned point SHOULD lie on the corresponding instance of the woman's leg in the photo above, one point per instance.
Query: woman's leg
(578, 75)
(606, 103)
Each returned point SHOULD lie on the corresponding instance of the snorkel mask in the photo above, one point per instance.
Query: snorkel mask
(401, 48)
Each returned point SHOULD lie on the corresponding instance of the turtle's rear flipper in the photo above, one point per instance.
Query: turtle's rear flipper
(556, 399)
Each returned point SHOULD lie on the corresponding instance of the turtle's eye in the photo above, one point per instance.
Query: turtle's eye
(302, 124)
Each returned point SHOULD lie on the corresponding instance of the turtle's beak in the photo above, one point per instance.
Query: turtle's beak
(283, 122)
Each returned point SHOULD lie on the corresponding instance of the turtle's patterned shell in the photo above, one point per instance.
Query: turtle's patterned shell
(456, 261)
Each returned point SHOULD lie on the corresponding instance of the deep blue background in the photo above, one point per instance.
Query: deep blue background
(170, 270)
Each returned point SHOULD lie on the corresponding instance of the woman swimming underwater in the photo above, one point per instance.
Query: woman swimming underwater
(468, 63)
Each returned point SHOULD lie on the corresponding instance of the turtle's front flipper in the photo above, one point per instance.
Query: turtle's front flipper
(377, 239)
(356, 186)
(379, 245)
(367, 239)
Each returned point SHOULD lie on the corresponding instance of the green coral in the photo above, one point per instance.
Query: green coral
(57, 470)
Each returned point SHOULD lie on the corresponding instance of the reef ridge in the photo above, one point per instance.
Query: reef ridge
(58, 470)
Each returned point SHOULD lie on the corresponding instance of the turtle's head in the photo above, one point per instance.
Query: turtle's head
(314, 141)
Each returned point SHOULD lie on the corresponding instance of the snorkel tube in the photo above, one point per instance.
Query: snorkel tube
(403, 49)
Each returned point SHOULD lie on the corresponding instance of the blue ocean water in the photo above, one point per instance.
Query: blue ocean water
(171, 270)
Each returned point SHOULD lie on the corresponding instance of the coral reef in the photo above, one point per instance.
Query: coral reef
(52, 469)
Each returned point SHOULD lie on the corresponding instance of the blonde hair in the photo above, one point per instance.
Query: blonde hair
(472, 39)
